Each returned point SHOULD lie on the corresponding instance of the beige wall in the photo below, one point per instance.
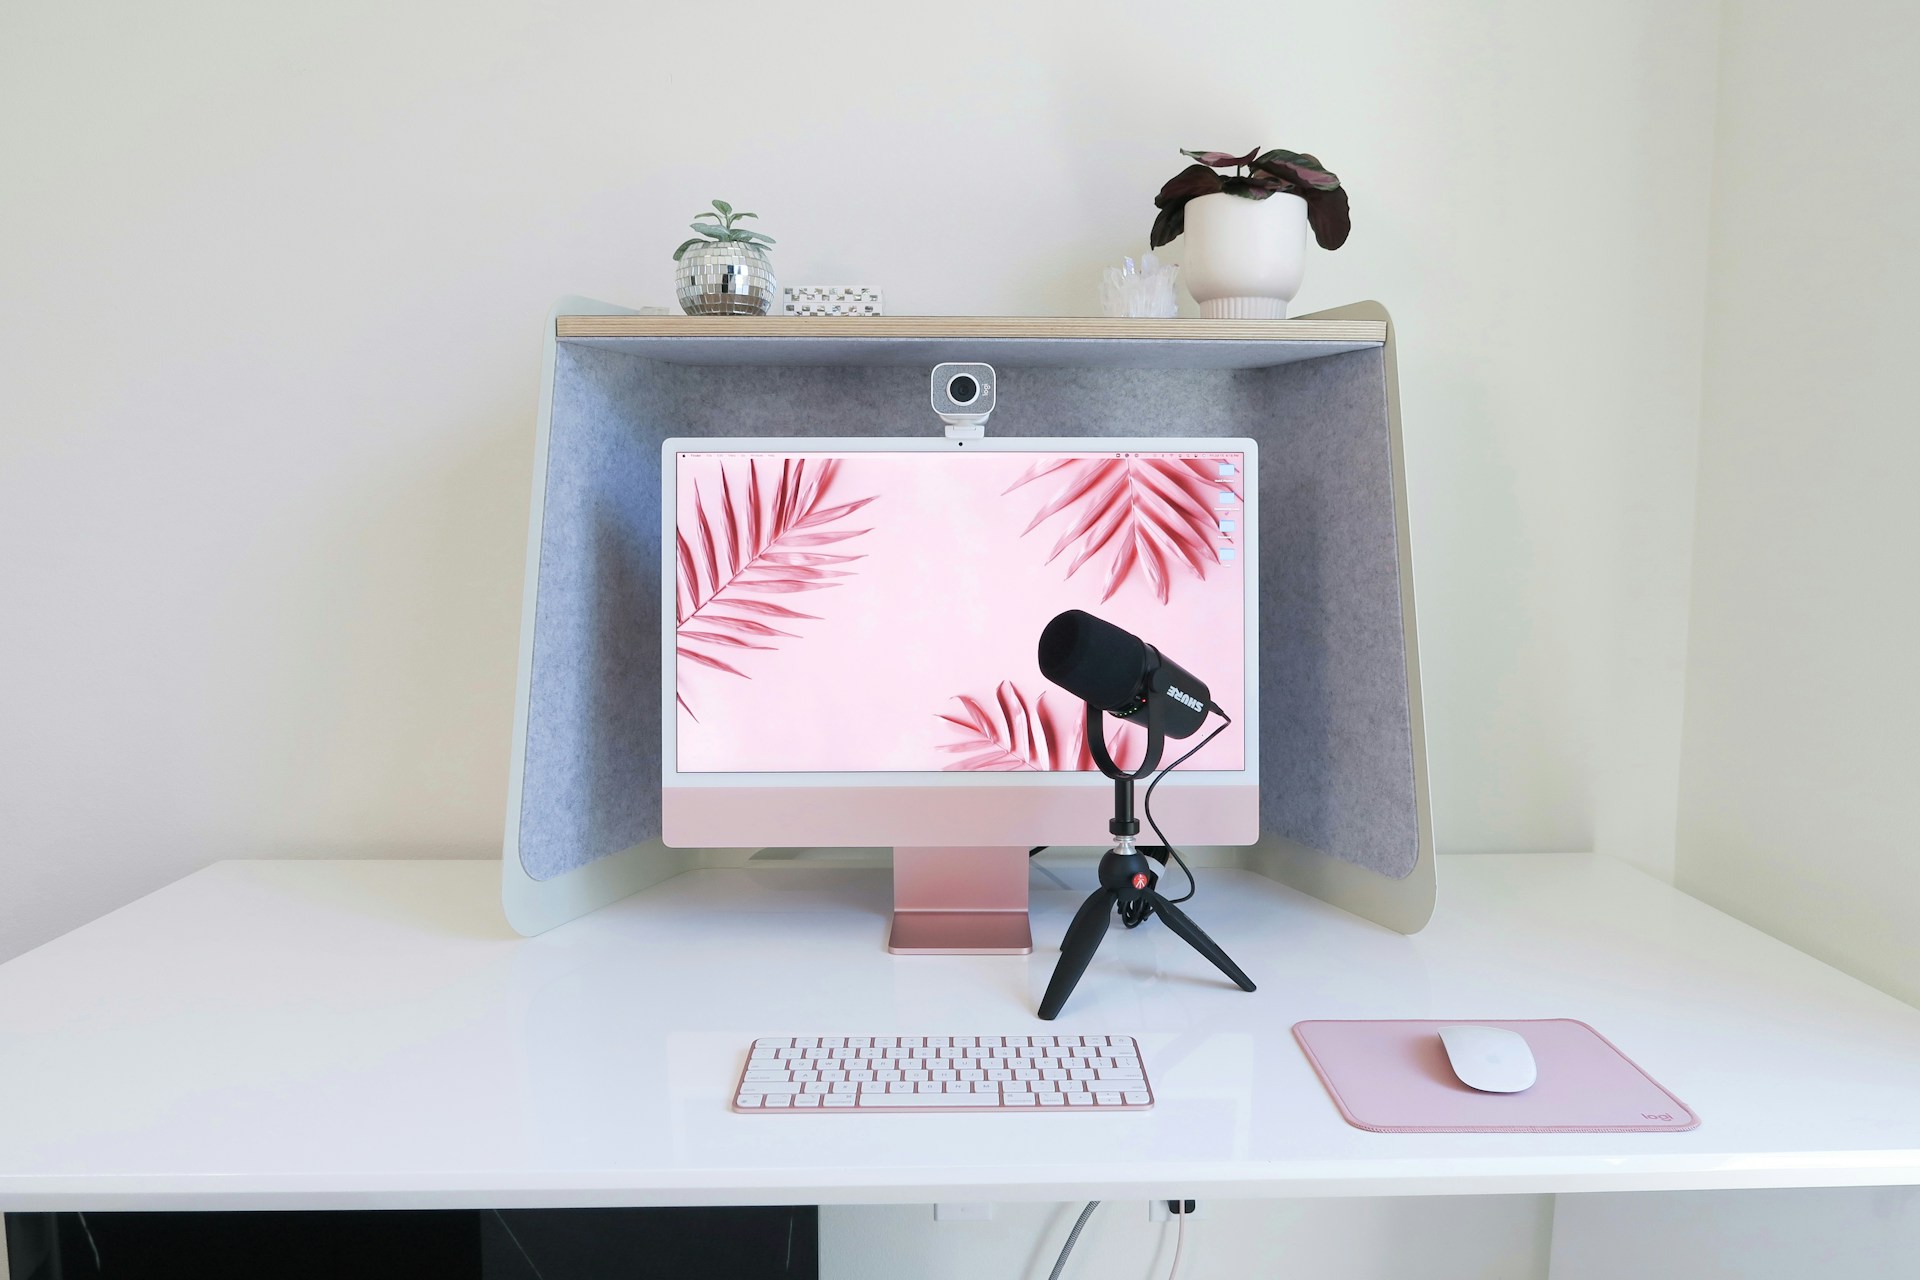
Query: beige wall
(273, 280)
(1801, 782)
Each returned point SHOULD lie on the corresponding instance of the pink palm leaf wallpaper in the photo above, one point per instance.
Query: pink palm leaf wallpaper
(1012, 732)
(760, 536)
(1148, 513)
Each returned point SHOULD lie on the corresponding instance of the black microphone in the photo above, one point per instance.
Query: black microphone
(1121, 674)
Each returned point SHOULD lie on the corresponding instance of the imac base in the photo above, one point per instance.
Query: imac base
(967, 901)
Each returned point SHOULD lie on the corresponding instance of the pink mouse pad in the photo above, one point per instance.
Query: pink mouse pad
(1393, 1077)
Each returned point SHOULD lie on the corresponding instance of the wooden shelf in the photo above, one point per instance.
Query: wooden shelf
(1099, 328)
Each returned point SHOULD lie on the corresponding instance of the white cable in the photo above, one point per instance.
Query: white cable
(1179, 1236)
(1060, 1263)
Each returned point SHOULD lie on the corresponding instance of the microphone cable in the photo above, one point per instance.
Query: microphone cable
(1146, 803)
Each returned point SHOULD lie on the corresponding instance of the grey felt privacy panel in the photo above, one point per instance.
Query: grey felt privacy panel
(591, 784)
(1336, 740)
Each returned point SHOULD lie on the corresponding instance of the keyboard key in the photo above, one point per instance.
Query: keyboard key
(748, 1100)
(1137, 1099)
(769, 1087)
(1079, 1099)
(838, 1100)
(806, 1100)
(1107, 1099)
(1050, 1099)
(777, 1101)
(898, 1101)
(1019, 1100)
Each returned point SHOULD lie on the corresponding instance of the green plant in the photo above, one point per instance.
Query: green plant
(721, 230)
(1256, 176)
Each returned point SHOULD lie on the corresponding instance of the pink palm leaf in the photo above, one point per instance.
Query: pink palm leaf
(1151, 513)
(744, 546)
(1011, 732)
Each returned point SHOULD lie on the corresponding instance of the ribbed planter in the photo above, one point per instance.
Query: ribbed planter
(726, 279)
(1244, 258)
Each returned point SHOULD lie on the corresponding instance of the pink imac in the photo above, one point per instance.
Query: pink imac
(849, 632)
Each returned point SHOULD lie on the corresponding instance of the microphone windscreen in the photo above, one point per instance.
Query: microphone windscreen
(1093, 660)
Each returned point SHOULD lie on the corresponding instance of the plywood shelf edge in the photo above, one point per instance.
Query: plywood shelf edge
(1019, 327)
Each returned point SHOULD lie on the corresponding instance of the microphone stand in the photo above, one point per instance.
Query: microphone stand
(1127, 878)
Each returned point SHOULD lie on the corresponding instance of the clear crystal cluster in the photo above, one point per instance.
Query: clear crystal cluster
(1143, 290)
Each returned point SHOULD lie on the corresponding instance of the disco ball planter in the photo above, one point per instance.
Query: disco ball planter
(725, 280)
(725, 270)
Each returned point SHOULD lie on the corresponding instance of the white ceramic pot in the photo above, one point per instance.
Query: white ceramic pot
(1244, 258)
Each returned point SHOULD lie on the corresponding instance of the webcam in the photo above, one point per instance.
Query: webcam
(963, 396)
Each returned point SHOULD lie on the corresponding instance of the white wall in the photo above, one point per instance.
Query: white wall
(1802, 756)
(274, 277)
(1832, 1233)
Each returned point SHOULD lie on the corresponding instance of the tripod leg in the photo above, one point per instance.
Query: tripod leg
(1076, 951)
(1196, 937)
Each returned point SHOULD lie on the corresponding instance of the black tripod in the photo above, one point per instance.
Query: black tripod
(1127, 880)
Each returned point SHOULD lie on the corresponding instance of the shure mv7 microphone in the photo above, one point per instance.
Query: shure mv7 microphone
(1119, 673)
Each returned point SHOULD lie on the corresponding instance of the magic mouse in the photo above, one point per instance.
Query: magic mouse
(1491, 1059)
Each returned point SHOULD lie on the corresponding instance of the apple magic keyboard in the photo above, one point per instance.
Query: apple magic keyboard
(943, 1073)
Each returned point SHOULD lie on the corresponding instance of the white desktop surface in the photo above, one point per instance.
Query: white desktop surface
(371, 1035)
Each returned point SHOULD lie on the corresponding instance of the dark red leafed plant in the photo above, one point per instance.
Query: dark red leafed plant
(749, 542)
(1013, 733)
(1255, 176)
(1152, 513)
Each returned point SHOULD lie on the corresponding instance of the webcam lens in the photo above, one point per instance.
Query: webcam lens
(962, 389)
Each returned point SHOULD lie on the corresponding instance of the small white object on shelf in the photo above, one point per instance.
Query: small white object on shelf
(1145, 290)
(832, 300)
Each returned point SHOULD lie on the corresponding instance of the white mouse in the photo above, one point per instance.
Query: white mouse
(1491, 1059)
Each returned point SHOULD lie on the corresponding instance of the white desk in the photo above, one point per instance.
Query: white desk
(368, 1034)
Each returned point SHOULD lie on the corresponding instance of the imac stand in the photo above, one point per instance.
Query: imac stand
(960, 902)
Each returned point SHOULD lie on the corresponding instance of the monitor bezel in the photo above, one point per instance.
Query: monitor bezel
(831, 445)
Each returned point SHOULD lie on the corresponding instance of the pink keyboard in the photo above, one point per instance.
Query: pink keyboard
(943, 1073)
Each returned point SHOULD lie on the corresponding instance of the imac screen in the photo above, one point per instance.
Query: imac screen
(879, 611)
